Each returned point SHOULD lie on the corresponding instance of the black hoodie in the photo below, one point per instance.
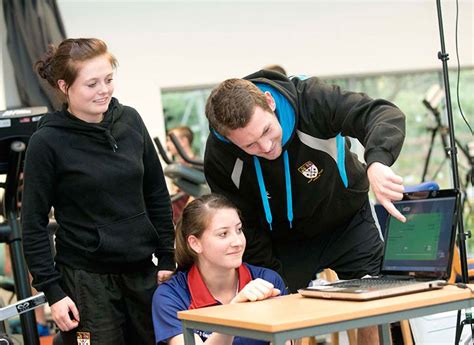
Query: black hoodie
(328, 183)
(107, 188)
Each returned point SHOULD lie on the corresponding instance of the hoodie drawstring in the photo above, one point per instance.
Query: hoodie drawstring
(111, 140)
(341, 158)
(263, 191)
(289, 196)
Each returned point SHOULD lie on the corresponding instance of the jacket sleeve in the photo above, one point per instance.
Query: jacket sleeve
(158, 204)
(218, 167)
(38, 191)
(378, 124)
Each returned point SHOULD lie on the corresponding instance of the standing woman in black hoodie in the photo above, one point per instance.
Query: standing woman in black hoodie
(95, 164)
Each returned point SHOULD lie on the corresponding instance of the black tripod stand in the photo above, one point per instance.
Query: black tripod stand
(442, 131)
(437, 129)
(452, 151)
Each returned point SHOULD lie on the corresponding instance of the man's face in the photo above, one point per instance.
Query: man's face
(263, 134)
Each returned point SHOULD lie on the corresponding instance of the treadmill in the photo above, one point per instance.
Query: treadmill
(16, 127)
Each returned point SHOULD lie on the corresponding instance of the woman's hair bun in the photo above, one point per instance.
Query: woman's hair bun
(43, 65)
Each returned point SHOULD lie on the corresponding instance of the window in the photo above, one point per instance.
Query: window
(407, 90)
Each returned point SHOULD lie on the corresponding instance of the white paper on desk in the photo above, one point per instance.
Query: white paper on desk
(318, 282)
(321, 284)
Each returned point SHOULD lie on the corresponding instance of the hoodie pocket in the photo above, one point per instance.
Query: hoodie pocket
(131, 239)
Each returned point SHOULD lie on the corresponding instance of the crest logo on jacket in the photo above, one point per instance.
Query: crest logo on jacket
(310, 171)
(83, 338)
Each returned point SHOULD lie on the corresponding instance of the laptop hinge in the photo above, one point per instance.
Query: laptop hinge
(428, 275)
(415, 275)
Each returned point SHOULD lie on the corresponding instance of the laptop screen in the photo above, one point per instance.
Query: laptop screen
(424, 243)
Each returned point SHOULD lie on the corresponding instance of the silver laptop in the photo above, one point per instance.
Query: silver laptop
(417, 255)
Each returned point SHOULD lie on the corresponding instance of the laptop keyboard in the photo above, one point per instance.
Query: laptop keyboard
(371, 282)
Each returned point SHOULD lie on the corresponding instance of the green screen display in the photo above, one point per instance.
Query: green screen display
(417, 239)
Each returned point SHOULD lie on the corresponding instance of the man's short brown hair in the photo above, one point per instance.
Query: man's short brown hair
(232, 103)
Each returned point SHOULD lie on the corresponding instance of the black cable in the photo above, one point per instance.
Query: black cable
(459, 68)
(472, 332)
(468, 319)
(458, 285)
(463, 286)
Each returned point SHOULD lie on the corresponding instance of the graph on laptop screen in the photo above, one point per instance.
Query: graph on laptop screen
(423, 243)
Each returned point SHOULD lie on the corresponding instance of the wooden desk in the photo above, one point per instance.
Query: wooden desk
(294, 316)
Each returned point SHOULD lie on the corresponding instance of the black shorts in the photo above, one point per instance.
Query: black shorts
(114, 309)
(352, 251)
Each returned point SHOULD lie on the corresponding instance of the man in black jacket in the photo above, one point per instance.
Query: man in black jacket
(278, 149)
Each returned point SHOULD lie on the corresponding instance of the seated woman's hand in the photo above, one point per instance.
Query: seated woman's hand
(257, 290)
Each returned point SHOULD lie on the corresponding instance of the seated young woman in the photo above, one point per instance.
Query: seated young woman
(210, 244)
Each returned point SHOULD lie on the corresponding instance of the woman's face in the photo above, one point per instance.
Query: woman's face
(90, 94)
(222, 244)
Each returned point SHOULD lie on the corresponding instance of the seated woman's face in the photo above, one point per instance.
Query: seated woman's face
(223, 242)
